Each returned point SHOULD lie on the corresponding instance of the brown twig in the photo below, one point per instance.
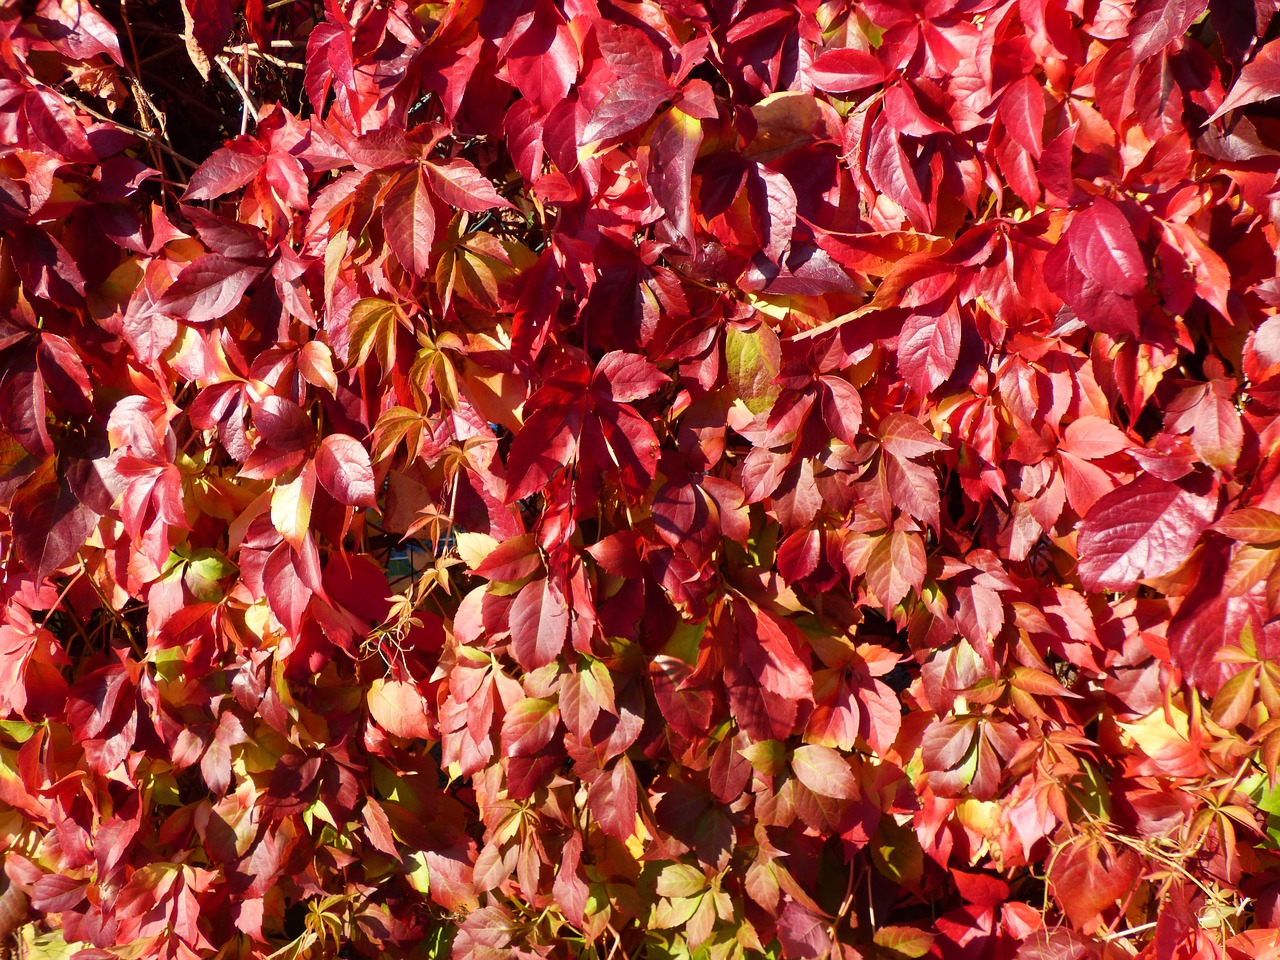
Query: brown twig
(250, 108)
(140, 95)
(278, 45)
(151, 138)
(251, 50)
(190, 101)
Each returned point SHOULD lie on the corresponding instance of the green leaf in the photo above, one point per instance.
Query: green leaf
(17, 731)
(752, 360)
(681, 880)
(46, 946)
(419, 873)
(904, 941)
(675, 913)
(767, 756)
(824, 771)
(206, 569)
(373, 325)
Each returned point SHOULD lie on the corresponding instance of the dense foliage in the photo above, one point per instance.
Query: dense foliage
(640, 478)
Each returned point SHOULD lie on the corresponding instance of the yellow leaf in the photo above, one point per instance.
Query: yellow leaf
(291, 506)
(474, 547)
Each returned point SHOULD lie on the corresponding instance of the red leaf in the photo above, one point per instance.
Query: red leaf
(798, 555)
(545, 444)
(215, 765)
(528, 727)
(674, 145)
(768, 649)
(543, 60)
(511, 560)
(1211, 619)
(286, 594)
(330, 60)
(55, 525)
(227, 169)
(343, 468)
(1090, 877)
(1214, 423)
(409, 222)
(1103, 245)
(628, 102)
(77, 30)
(282, 424)
(57, 894)
(1144, 529)
(459, 184)
(1157, 23)
(211, 23)
(378, 827)
(627, 376)
(842, 409)
(612, 799)
(845, 70)
(208, 288)
(1258, 81)
(928, 348)
(539, 623)
(1022, 110)
(890, 172)
(47, 268)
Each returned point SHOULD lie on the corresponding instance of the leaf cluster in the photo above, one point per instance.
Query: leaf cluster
(665, 479)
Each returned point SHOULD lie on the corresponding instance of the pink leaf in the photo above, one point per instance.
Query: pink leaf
(343, 468)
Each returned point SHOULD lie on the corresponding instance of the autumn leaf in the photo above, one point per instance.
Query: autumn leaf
(397, 707)
(1143, 529)
(343, 469)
